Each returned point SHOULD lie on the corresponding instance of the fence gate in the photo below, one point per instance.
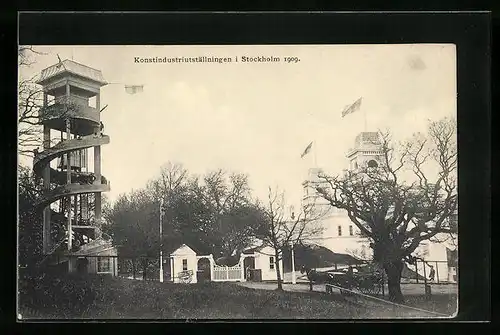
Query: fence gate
(227, 273)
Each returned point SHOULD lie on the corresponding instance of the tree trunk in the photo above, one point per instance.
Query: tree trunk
(144, 269)
(278, 272)
(133, 267)
(393, 271)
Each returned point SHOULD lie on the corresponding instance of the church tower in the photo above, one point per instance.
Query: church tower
(367, 151)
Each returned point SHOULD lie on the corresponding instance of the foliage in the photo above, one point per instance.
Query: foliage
(29, 220)
(212, 214)
(30, 223)
(398, 213)
(131, 222)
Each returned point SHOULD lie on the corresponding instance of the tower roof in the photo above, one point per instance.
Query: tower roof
(365, 141)
(74, 68)
(371, 137)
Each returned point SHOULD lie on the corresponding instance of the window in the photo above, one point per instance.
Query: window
(372, 164)
(271, 263)
(351, 231)
(104, 265)
(339, 228)
(184, 265)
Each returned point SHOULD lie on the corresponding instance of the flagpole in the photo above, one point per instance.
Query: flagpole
(315, 157)
(161, 241)
(364, 113)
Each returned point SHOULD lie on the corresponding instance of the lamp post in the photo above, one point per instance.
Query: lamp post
(294, 279)
(161, 240)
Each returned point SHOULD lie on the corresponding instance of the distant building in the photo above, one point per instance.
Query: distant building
(341, 235)
(186, 265)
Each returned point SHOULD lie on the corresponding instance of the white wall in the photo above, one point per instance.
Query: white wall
(262, 262)
(345, 243)
(437, 252)
(176, 262)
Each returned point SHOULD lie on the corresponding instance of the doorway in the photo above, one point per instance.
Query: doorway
(82, 265)
(204, 270)
(248, 265)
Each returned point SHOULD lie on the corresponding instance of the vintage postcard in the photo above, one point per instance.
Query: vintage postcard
(237, 182)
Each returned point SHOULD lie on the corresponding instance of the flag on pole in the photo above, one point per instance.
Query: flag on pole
(306, 151)
(352, 108)
(133, 89)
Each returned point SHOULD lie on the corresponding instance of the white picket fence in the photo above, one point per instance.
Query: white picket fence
(227, 273)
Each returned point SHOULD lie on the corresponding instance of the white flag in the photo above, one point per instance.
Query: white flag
(133, 89)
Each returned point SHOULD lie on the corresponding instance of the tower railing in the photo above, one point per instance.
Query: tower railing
(83, 131)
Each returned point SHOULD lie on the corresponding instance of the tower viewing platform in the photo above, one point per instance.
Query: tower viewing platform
(72, 127)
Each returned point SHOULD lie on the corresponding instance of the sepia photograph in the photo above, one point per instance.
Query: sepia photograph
(210, 182)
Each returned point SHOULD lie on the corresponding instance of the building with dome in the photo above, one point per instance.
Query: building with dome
(342, 236)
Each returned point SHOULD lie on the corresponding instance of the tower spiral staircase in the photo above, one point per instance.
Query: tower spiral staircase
(72, 194)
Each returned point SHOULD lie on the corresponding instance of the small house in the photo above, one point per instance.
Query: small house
(183, 265)
(262, 262)
(99, 257)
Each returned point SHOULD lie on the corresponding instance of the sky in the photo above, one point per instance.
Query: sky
(257, 118)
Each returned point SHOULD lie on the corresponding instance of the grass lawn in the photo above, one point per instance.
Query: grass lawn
(440, 303)
(101, 297)
(444, 302)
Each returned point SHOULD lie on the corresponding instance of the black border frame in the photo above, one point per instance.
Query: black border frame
(469, 31)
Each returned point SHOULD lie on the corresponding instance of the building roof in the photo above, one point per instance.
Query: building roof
(254, 249)
(71, 67)
(251, 250)
(184, 246)
(371, 137)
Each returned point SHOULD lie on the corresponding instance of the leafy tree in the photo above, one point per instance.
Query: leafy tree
(30, 220)
(213, 214)
(30, 223)
(210, 213)
(227, 199)
(133, 222)
(396, 213)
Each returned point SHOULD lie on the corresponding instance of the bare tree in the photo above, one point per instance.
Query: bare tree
(29, 102)
(30, 105)
(173, 176)
(282, 227)
(394, 214)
